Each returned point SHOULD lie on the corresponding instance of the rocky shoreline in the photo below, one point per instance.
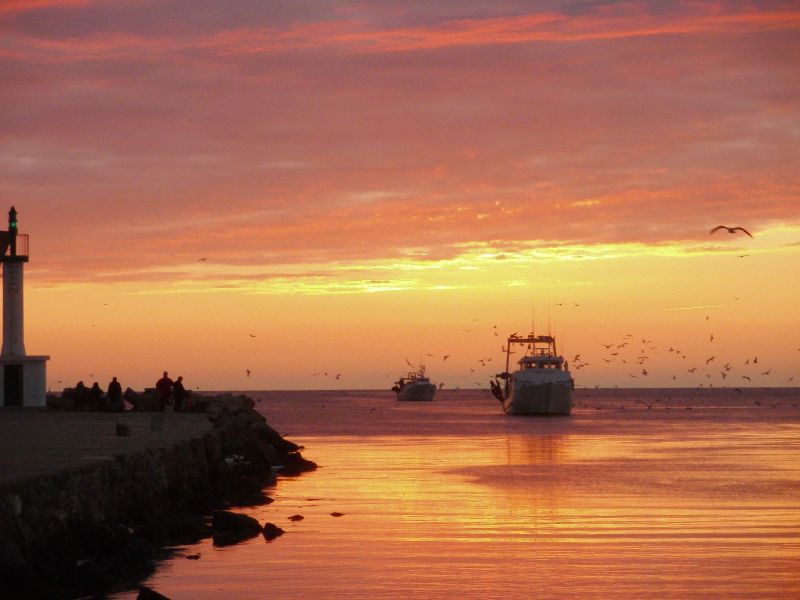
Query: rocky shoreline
(88, 531)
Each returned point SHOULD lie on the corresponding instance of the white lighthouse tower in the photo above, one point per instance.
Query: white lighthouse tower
(22, 377)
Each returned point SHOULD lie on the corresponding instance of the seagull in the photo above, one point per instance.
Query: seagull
(252, 336)
(248, 372)
(445, 357)
(731, 229)
(204, 259)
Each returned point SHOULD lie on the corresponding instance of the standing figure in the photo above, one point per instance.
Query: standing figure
(164, 387)
(179, 393)
(96, 397)
(114, 395)
(81, 396)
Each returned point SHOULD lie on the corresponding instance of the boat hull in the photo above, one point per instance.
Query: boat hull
(550, 398)
(417, 392)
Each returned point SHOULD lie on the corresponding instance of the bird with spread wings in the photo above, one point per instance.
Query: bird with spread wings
(731, 229)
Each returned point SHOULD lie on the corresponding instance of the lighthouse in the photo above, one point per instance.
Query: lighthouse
(22, 377)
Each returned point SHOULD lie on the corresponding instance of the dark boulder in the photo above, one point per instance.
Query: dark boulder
(271, 531)
(232, 528)
(294, 464)
(145, 593)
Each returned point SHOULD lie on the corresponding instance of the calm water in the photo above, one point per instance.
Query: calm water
(697, 496)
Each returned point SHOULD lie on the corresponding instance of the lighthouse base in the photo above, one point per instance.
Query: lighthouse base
(23, 380)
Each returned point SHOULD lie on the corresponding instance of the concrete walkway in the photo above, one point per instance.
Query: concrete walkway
(38, 441)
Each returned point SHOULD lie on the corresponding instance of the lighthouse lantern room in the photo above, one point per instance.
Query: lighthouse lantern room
(22, 377)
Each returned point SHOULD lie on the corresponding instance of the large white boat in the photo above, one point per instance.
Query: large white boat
(415, 386)
(542, 385)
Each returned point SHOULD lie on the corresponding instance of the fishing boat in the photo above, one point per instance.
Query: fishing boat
(415, 386)
(542, 385)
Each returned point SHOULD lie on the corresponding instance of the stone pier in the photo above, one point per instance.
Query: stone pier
(89, 500)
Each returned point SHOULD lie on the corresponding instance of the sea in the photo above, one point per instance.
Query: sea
(640, 493)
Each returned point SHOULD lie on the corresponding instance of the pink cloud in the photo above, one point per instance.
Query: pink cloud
(325, 137)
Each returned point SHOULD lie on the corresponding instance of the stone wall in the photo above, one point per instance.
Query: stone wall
(82, 530)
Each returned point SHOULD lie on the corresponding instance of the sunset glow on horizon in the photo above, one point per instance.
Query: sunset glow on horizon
(312, 189)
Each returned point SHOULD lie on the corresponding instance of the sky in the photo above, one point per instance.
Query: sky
(270, 194)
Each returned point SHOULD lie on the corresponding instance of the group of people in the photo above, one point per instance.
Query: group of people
(168, 391)
(92, 398)
(166, 387)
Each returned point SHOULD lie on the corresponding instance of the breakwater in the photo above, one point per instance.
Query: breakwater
(90, 500)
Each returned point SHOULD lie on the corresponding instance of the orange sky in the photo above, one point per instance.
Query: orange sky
(376, 181)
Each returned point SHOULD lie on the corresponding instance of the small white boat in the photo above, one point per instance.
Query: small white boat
(542, 385)
(415, 386)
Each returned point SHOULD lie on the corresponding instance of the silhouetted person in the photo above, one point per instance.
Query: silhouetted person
(179, 394)
(164, 387)
(96, 397)
(81, 396)
(114, 395)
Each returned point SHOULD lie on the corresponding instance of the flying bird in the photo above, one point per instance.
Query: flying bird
(248, 372)
(445, 357)
(731, 229)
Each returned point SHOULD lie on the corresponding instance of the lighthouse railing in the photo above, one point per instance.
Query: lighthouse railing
(21, 245)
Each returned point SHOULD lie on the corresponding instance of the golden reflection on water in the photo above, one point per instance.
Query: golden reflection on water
(597, 505)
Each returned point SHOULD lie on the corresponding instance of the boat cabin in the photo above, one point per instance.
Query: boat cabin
(541, 362)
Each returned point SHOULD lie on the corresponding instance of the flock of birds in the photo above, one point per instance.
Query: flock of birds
(711, 367)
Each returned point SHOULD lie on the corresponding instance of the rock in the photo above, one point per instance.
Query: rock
(146, 401)
(145, 593)
(232, 528)
(337, 514)
(294, 464)
(225, 520)
(90, 575)
(296, 518)
(248, 497)
(13, 566)
(271, 531)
